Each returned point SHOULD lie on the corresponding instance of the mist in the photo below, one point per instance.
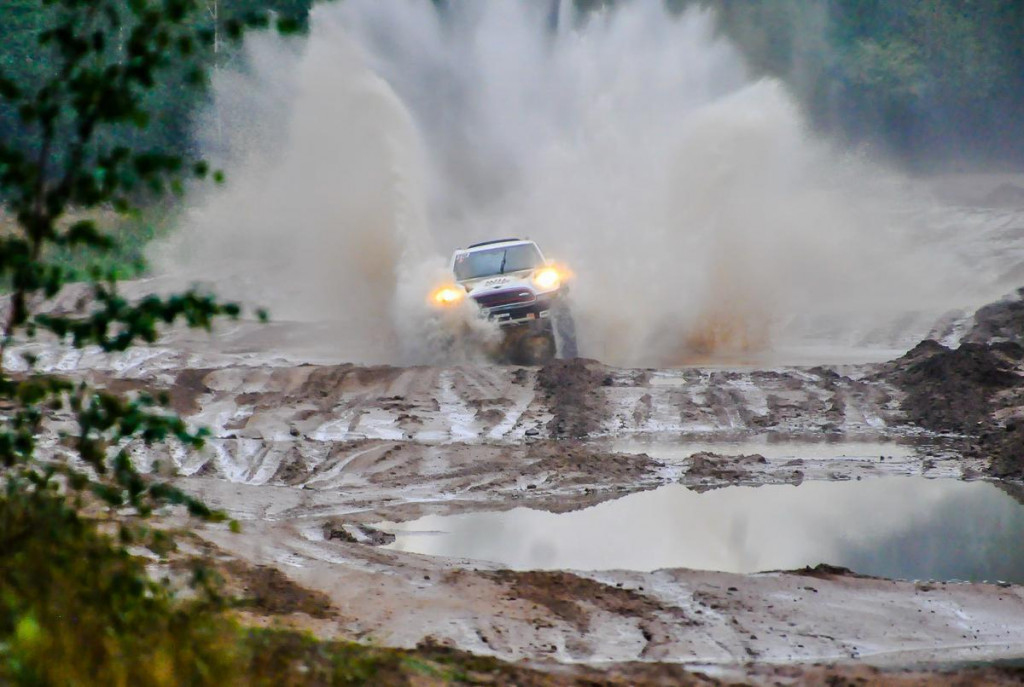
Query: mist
(699, 215)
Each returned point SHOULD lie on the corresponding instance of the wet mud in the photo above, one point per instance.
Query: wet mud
(974, 391)
(267, 590)
(570, 388)
(314, 458)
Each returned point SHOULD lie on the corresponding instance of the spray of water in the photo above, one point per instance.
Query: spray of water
(699, 215)
(323, 217)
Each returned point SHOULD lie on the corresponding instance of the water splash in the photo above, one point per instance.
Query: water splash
(699, 214)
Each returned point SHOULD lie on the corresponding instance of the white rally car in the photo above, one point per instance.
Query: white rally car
(521, 291)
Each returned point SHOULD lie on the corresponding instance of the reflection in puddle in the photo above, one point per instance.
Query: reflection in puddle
(901, 527)
(785, 356)
(667, 451)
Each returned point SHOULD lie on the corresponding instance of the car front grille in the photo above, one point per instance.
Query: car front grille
(500, 298)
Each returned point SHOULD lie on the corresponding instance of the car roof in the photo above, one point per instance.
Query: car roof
(497, 243)
(492, 241)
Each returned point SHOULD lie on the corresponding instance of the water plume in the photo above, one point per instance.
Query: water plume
(700, 216)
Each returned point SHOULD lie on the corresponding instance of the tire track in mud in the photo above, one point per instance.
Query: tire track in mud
(460, 417)
(294, 421)
(793, 402)
(570, 389)
(297, 446)
(295, 449)
(346, 403)
(584, 604)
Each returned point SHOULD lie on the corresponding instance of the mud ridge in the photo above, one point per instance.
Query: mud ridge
(707, 464)
(999, 321)
(567, 596)
(571, 389)
(267, 590)
(975, 391)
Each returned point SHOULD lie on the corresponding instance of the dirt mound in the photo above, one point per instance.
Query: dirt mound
(356, 533)
(577, 463)
(824, 571)
(1007, 450)
(707, 471)
(573, 599)
(1000, 321)
(951, 390)
(706, 464)
(570, 388)
(269, 591)
(976, 390)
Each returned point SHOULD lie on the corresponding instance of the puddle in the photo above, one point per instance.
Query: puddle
(671, 451)
(897, 527)
(796, 356)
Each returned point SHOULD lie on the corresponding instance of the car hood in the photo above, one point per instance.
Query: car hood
(498, 282)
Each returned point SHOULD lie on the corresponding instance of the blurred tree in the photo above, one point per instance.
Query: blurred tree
(171, 102)
(930, 80)
(81, 91)
(927, 79)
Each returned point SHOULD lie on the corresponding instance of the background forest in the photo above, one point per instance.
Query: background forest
(936, 84)
(107, 114)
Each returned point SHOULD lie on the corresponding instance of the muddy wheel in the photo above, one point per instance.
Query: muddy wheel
(450, 339)
(565, 331)
(536, 349)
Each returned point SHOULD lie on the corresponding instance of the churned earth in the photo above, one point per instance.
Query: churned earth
(323, 461)
(313, 458)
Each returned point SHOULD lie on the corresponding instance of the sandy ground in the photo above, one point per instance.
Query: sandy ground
(307, 457)
(309, 453)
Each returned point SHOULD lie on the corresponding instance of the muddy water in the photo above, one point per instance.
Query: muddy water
(665, 449)
(809, 354)
(897, 527)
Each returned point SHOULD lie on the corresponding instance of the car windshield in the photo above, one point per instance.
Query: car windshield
(485, 263)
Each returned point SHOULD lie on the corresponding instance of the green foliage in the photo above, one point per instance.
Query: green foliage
(893, 67)
(166, 106)
(929, 79)
(126, 255)
(281, 658)
(75, 607)
(171, 100)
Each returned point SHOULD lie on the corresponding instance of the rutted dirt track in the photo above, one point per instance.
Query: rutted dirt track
(305, 456)
(312, 456)
(308, 457)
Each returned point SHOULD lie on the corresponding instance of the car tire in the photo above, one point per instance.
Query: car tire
(536, 349)
(565, 331)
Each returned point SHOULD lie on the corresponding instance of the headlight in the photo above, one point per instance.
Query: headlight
(447, 295)
(547, 278)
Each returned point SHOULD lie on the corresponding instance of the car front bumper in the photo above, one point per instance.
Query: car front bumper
(536, 313)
